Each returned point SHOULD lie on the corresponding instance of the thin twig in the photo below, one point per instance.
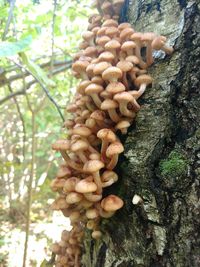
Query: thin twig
(43, 87)
(21, 118)
(65, 65)
(52, 34)
(28, 85)
(10, 16)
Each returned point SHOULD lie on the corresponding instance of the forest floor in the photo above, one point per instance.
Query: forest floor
(43, 233)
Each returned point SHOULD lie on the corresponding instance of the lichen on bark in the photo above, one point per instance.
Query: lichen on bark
(163, 231)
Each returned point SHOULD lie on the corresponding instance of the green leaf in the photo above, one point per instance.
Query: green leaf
(8, 49)
(36, 70)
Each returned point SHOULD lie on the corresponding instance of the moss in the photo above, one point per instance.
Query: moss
(175, 165)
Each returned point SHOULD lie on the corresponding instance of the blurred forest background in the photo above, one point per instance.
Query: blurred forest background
(38, 39)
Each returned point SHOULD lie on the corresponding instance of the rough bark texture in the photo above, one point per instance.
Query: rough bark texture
(161, 162)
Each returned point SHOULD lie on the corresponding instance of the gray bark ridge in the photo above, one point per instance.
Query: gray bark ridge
(161, 162)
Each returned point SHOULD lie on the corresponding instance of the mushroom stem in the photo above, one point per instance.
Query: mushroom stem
(96, 100)
(93, 197)
(113, 162)
(70, 162)
(113, 115)
(97, 180)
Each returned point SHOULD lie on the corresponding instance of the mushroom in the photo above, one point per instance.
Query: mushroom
(107, 136)
(73, 197)
(113, 151)
(69, 185)
(113, 46)
(123, 99)
(79, 147)
(63, 145)
(136, 37)
(93, 167)
(110, 106)
(88, 36)
(125, 67)
(108, 178)
(112, 203)
(80, 68)
(86, 185)
(159, 44)
(123, 126)
(142, 82)
(148, 38)
(93, 197)
(112, 74)
(93, 90)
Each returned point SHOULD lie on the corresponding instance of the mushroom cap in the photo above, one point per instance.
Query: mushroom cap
(79, 145)
(143, 79)
(90, 51)
(111, 31)
(61, 144)
(109, 104)
(112, 45)
(103, 40)
(106, 7)
(82, 131)
(136, 36)
(112, 203)
(133, 59)
(122, 124)
(107, 175)
(102, 31)
(88, 35)
(106, 95)
(63, 171)
(126, 33)
(128, 45)
(114, 149)
(148, 36)
(101, 67)
(112, 72)
(107, 135)
(71, 108)
(98, 80)
(89, 70)
(81, 87)
(80, 66)
(124, 25)
(123, 97)
(70, 184)
(98, 115)
(106, 56)
(124, 65)
(93, 89)
(115, 87)
(158, 42)
(92, 213)
(92, 166)
(86, 185)
(73, 197)
(110, 23)
(95, 29)
(96, 234)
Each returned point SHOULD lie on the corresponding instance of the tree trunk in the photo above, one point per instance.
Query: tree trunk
(162, 153)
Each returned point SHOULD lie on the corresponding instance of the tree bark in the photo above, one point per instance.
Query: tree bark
(162, 153)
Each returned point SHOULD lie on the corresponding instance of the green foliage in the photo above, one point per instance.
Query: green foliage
(175, 165)
(8, 49)
(36, 71)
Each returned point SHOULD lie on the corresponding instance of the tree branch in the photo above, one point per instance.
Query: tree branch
(28, 85)
(43, 87)
(65, 63)
(10, 15)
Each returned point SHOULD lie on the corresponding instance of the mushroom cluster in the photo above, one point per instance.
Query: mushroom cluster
(112, 66)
